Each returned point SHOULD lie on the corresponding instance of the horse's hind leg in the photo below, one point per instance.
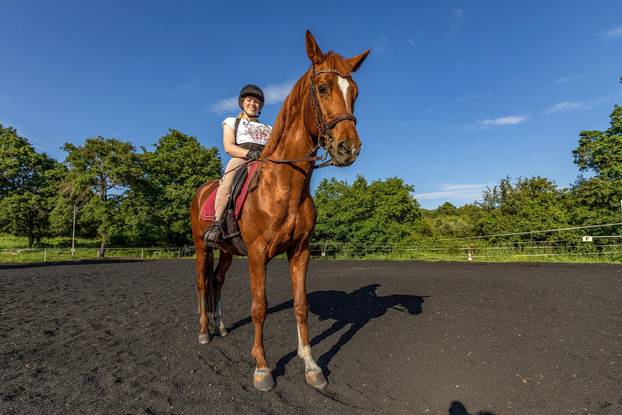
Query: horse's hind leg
(204, 265)
(298, 262)
(224, 262)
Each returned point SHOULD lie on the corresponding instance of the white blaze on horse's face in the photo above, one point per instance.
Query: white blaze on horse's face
(344, 85)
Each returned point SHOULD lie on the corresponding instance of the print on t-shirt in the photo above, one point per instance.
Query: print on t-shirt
(250, 131)
(259, 132)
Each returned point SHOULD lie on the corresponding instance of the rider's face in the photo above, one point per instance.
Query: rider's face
(251, 106)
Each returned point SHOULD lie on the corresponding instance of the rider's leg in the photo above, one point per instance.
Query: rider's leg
(214, 232)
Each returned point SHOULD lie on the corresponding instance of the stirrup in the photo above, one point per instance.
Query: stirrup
(213, 235)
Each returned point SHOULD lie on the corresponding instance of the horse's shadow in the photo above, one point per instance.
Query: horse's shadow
(352, 310)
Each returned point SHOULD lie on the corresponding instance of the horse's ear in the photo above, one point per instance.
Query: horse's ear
(356, 61)
(313, 50)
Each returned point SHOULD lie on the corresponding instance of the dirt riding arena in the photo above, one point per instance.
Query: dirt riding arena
(393, 337)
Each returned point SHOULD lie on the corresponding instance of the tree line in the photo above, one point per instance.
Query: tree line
(128, 196)
(121, 195)
(385, 213)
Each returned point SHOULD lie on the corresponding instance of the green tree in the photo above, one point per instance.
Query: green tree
(601, 151)
(174, 170)
(596, 200)
(28, 187)
(530, 204)
(380, 213)
(100, 171)
(448, 221)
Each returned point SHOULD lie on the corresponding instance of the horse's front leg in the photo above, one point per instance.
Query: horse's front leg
(298, 262)
(262, 378)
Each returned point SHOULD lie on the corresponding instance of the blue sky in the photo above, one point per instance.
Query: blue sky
(454, 96)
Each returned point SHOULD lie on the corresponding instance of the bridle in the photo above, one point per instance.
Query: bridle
(325, 126)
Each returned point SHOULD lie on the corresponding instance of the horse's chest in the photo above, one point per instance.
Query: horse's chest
(295, 225)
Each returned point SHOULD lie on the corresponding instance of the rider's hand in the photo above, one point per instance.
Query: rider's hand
(253, 154)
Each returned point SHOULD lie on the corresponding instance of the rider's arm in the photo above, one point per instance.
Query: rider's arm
(228, 140)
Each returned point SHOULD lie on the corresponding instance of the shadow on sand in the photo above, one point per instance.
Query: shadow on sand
(457, 408)
(352, 310)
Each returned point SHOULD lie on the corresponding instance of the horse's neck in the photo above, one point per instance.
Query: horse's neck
(295, 143)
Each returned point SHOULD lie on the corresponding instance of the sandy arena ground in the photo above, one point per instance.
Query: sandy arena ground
(392, 337)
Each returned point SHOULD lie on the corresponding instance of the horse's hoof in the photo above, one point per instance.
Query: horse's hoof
(316, 379)
(224, 332)
(204, 338)
(262, 380)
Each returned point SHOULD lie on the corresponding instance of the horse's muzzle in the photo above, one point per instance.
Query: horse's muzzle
(345, 153)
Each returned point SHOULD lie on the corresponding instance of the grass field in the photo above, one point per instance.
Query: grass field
(13, 250)
(56, 254)
(12, 242)
(58, 249)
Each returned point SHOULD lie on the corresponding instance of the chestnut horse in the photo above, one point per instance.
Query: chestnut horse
(279, 214)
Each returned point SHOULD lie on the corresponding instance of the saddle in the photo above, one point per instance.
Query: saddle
(240, 189)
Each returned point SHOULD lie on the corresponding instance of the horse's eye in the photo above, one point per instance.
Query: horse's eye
(323, 89)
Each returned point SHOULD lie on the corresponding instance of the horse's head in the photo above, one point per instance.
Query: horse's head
(333, 93)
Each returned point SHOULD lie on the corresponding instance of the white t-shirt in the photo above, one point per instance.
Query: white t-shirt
(250, 131)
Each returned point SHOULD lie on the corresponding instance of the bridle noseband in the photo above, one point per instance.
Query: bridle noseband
(324, 126)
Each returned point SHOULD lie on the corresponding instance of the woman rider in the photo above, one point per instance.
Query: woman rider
(243, 138)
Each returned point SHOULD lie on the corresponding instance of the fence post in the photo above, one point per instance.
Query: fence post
(178, 253)
(45, 255)
(142, 253)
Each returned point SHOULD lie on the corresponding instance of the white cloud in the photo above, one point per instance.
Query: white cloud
(224, 105)
(455, 192)
(615, 32)
(566, 106)
(458, 13)
(274, 94)
(509, 120)
(567, 79)
(570, 106)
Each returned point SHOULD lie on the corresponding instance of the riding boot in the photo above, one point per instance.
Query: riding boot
(213, 234)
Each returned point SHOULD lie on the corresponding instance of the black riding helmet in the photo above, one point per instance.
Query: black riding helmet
(252, 91)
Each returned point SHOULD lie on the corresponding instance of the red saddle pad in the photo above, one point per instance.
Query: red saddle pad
(208, 210)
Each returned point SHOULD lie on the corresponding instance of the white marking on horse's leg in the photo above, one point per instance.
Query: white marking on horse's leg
(218, 321)
(218, 314)
(261, 372)
(304, 352)
(344, 85)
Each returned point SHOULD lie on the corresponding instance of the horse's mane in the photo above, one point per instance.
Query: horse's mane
(295, 98)
(291, 103)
